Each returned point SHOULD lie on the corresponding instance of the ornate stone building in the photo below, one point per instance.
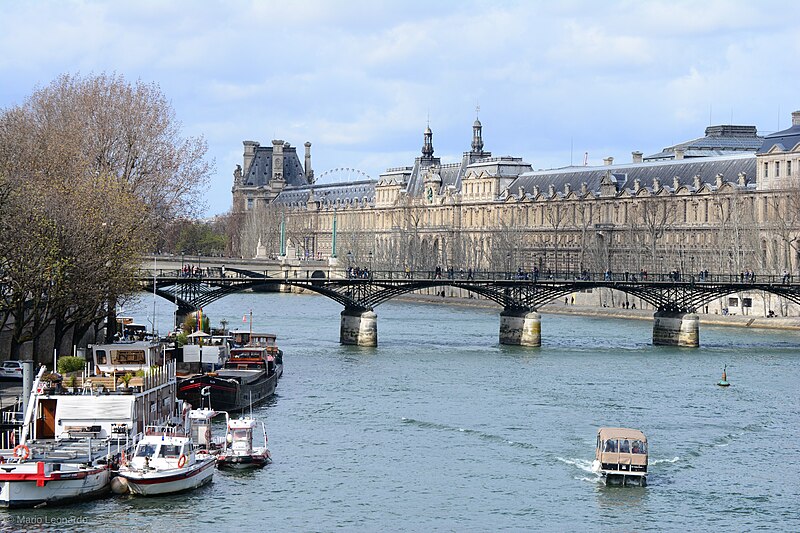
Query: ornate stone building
(723, 203)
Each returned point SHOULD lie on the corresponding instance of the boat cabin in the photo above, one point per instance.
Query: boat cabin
(128, 329)
(205, 352)
(621, 455)
(111, 414)
(201, 427)
(247, 338)
(251, 358)
(126, 356)
(240, 435)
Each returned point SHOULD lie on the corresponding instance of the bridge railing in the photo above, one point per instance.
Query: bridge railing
(220, 274)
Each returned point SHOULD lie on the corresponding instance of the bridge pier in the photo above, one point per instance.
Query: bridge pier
(359, 328)
(520, 327)
(672, 328)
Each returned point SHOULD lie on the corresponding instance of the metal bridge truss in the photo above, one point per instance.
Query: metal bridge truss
(362, 294)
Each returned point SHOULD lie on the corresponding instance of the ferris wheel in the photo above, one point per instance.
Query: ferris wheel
(342, 175)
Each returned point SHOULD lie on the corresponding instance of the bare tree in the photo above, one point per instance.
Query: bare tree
(96, 164)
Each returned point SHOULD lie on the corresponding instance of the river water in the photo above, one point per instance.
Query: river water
(441, 428)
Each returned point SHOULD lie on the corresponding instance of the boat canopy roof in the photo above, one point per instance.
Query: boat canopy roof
(242, 423)
(621, 433)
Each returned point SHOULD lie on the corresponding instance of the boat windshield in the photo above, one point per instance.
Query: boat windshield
(145, 450)
(625, 446)
(168, 450)
(241, 434)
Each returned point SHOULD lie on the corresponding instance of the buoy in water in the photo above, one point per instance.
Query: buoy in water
(724, 381)
(119, 485)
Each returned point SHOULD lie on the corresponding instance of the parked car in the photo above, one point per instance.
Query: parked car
(11, 369)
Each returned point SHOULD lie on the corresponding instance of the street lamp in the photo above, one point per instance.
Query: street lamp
(369, 255)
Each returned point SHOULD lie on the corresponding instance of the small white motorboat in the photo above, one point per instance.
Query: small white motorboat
(239, 451)
(164, 462)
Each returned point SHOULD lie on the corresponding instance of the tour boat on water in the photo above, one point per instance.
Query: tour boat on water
(239, 451)
(165, 461)
(70, 440)
(248, 377)
(621, 456)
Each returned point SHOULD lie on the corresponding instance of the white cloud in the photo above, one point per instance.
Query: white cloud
(359, 78)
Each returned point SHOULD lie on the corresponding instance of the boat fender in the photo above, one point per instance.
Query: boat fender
(119, 485)
(26, 452)
(181, 461)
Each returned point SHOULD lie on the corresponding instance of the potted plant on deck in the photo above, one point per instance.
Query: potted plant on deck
(126, 380)
(50, 381)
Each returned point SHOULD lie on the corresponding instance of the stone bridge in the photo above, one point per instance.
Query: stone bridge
(675, 323)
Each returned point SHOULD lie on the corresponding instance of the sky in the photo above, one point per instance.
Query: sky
(361, 80)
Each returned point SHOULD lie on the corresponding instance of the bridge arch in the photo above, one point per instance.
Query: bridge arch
(675, 299)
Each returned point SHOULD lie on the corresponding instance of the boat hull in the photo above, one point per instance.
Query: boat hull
(170, 481)
(624, 479)
(26, 485)
(227, 394)
(243, 462)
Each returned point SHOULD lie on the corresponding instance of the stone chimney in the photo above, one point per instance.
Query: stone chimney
(567, 189)
(249, 154)
(720, 180)
(535, 190)
(551, 190)
(608, 161)
(742, 179)
(637, 156)
(697, 182)
(656, 184)
(637, 185)
(676, 183)
(277, 160)
(584, 188)
(309, 171)
(796, 118)
(679, 153)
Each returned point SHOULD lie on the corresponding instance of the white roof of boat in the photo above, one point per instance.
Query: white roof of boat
(203, 414)
(242, 423)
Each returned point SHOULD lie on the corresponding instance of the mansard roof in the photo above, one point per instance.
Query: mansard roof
(329, 194)
(260, 172)
(718, 140)
(785, 140)
(707, 168)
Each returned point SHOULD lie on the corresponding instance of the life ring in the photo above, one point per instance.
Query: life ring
(26, 452)
(181, 461)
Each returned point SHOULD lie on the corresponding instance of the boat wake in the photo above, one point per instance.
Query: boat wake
(584, 465)
(658, 461)
(473, 432)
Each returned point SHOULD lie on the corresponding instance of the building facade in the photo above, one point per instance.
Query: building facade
(723, 203)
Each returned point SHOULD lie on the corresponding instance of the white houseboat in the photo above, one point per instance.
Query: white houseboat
(71, 440)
